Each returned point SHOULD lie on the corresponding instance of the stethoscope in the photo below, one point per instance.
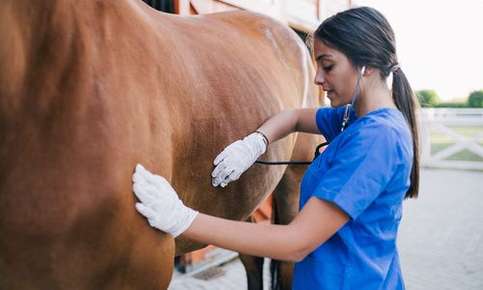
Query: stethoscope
(345, 121)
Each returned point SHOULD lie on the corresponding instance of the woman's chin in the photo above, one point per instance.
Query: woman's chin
(334, 103)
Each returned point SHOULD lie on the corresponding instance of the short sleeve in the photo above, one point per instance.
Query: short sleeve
(329, 121)
(362, 168)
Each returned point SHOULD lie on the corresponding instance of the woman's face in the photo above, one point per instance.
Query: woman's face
(335, 74)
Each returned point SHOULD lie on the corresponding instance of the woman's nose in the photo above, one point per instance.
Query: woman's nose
(319, 78)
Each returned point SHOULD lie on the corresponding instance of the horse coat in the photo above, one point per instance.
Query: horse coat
(90, 88)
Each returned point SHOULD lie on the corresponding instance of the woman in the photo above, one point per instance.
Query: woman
(344, 236)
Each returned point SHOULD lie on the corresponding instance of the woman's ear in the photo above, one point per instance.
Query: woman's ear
(367, 70)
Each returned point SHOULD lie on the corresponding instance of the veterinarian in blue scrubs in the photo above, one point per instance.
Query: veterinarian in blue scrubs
(345, 234)
(365, 172)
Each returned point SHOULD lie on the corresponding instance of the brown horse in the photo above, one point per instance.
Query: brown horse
(88, 89)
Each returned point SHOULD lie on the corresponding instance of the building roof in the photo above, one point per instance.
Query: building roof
(303, 15)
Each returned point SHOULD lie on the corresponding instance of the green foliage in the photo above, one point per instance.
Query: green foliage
(451, 105)
(475, 100)
(427, 98)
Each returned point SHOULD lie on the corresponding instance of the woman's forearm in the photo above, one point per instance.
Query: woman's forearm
(289, 121)
(267, 240)
(280, 125)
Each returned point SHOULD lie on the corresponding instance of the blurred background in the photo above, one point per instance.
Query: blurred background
(440, 49)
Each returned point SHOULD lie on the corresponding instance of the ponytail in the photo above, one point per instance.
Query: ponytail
(407, 103)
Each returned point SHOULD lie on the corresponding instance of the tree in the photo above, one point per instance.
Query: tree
(475, 100)
(427, 98)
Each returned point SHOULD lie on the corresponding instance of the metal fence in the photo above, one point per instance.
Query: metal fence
(452, 138)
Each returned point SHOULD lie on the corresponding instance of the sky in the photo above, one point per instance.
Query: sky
(439, 43)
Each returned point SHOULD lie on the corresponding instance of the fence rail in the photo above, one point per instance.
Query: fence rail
(453, 132)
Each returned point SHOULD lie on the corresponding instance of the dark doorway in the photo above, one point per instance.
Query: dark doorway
(161, 5)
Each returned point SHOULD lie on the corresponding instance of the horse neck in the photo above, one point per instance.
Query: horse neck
(42, 40)
(35, 33)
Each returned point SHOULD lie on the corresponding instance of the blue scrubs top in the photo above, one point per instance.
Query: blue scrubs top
(365, 171)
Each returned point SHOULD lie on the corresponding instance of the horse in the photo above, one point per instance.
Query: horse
(90, 88)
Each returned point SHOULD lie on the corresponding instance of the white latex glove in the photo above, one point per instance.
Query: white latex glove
(237, 158)
(160, 203)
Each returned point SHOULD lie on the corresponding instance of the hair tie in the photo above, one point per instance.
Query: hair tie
(395, 67)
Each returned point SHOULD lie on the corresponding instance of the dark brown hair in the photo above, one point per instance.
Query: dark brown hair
(364, 35)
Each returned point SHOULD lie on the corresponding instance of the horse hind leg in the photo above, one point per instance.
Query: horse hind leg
(285, 206)
(254, 268)
(284, 210)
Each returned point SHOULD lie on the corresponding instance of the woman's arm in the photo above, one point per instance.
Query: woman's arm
(289, 121)
(314, 225)
(160, 204)
(237, 157)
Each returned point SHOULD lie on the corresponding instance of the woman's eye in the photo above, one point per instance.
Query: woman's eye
(328, 67)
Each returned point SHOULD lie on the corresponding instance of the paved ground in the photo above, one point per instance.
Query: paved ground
(441, 238)
(440, 244)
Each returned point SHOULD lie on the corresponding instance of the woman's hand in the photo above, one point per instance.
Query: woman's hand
(160, 204)
(237, 158)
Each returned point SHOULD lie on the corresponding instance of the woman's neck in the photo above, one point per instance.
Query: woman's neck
(374, 95)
